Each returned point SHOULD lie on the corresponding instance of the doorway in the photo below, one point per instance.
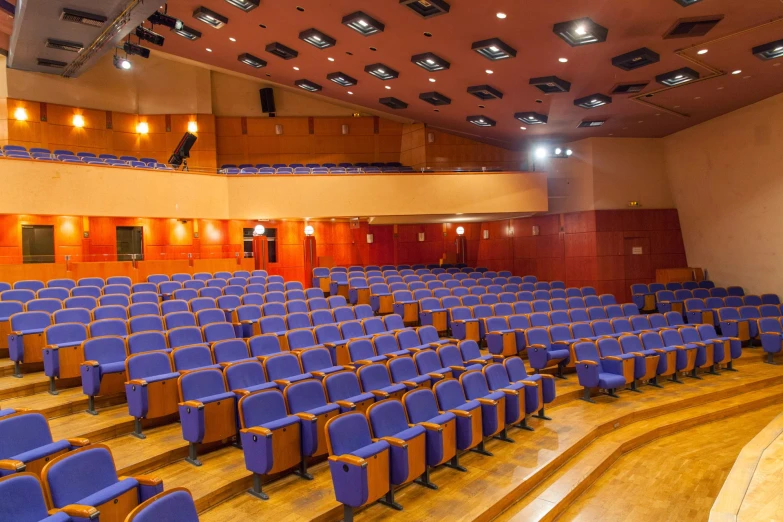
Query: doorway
(37, 243)
(130, 243)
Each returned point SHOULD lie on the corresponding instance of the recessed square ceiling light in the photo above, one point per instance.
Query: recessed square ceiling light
(636, 59)
(532, 118)
(590, 123)
(580, 32)
(281, 51)
(435, 98)
(245, 5)
(363, 24)
(686, 3)
(678, 77)
(317, 39)
(393, 103)
(690, 27)
(186, 32)
(252, 61)
(481, 121)
(485, 92)
(430, 62)
(769, 51)
(210, 17)
(382, 72)
(308, 85)
(550, 84)
(427, 8)
(593, 101)
(341, 79)
(629, 88)
(494, 49)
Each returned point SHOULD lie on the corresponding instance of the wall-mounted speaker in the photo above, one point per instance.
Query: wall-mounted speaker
(267, 101)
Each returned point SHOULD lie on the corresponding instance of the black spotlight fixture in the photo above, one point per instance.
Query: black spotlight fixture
(481, 121)
(435, 98)
(550, 84)
(430, 62)
(532, 118)
(149, 36)
(629, 88)
(317, 39)
(636, 59)
(64, 45)
(485, 92)
(580, 32)
(137, 50)
(187, 32)
(769, 51)
(252, 61)
(382, 72)
(590, 124)
(281, 51)
(494, 49)
(593, 101)
(341, 79)
(308, 85)
(427, 8)
(158, 18)
(393, 103)
(210, 17)
(678, 77)
(686, 3)
(245, 5)
(363, 24)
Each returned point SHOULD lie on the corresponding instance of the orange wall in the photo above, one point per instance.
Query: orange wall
(448, 151)
(726, 178)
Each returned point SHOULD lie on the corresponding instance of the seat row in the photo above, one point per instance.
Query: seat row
(667, 300)
(311, 165)
(315, 170)
(647, 296)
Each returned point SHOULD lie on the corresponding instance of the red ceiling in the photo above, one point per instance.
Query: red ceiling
(528, 28)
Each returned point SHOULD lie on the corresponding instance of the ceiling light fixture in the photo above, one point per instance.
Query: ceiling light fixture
(342, 79)
(703, 51)
(363, 24)
(540, 152)
(502, 16)
(580, 32)
(317, 39)
(636, 59)
(427, 8)
(738, 71)
(678, 77)
(562, 60)
(430, 62)
(210, 17)
(481, 121)
(281, 51)
(245, 5)
(593, 101)
(769, 51)
(532, 118)
(393, 103)
(435, 98)
(330, 59)
(485, 92)
(252, 61)
(550, 84)
(209, 50)
(308, 85)
(489, 71)
(494, 49)
(388, 87)
(381, 71)
(186, 32)
(432, 80)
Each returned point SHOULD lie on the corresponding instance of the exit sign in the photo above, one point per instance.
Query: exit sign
(637, 251)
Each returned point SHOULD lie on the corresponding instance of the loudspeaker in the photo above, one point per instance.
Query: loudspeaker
(183, 149)
(267, 100)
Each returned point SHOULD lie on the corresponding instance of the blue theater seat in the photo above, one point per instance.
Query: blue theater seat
(103, 369)
(151, 389)
(24, 501)
(595, 371)
(451, 398)
(174, 505)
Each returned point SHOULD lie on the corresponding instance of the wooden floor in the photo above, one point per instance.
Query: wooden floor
(538, 477)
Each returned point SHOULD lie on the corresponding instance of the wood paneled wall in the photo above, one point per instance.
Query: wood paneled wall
(106, 132)
(307, 140)
(413, 150)
(594, 248)
(448, 151)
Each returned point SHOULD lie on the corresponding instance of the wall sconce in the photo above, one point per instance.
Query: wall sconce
(485, 233)
(20, 114)
(345, 129)
(536, 230)
(370, 239)
(460, 231)
(192, 127)
(430, 137)
(309, 230)
(259, 230)
(421, 236)
(142, 127)
(78, 121)
(278, 129)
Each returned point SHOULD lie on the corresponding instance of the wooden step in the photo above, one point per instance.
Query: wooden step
(67, 402)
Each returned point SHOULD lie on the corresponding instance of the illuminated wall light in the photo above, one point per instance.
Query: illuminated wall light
(258, 230)
(309, 230)
(142, 127)
(345, 129)
(485, 233)
(20, 114)
(421, 236)
(370, 239)
(460, 231)
(78, 121)
(278, 129)
(192, 126)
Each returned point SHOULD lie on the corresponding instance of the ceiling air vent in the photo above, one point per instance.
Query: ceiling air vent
(636, 59)
(435, 98)
(590, 123)
(393, 103)
(63, 45)
(688, 27)
(80, 17)
(45, 62)
(629, 88)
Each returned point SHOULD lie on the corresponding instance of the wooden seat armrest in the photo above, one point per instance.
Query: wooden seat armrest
(590, 363)
(348, 367)
(137, 382)
(12, 465)
(192, 404)
(224, 364)
(457, 368)
(78, 442)
(329, 345)
(281, 382)
(431, 426)
(487, 402)
(353, 460)
(537, 346)
(545, 376)
(91, 363)
(508, 391)
(612, 358)
(246, 321)
(461, 413)
(532, 384)
(258, 430)
(564, 343)
(730, 339)
(434, 375)
(318, 374)
(410, 384)
(241, 392)
(80, 511)
(363, 362)
(680, 347)
(346, 404)
(307, 416)
(434, 345)
(697, 343)
(148, 480)
(394, 441)
(478, 361)
(379, 393)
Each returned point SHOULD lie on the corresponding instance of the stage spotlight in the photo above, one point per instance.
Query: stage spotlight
(122, 63)
(540, 152)
(569, 152)
(133, 49)
(150, 36)
(163, 19)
